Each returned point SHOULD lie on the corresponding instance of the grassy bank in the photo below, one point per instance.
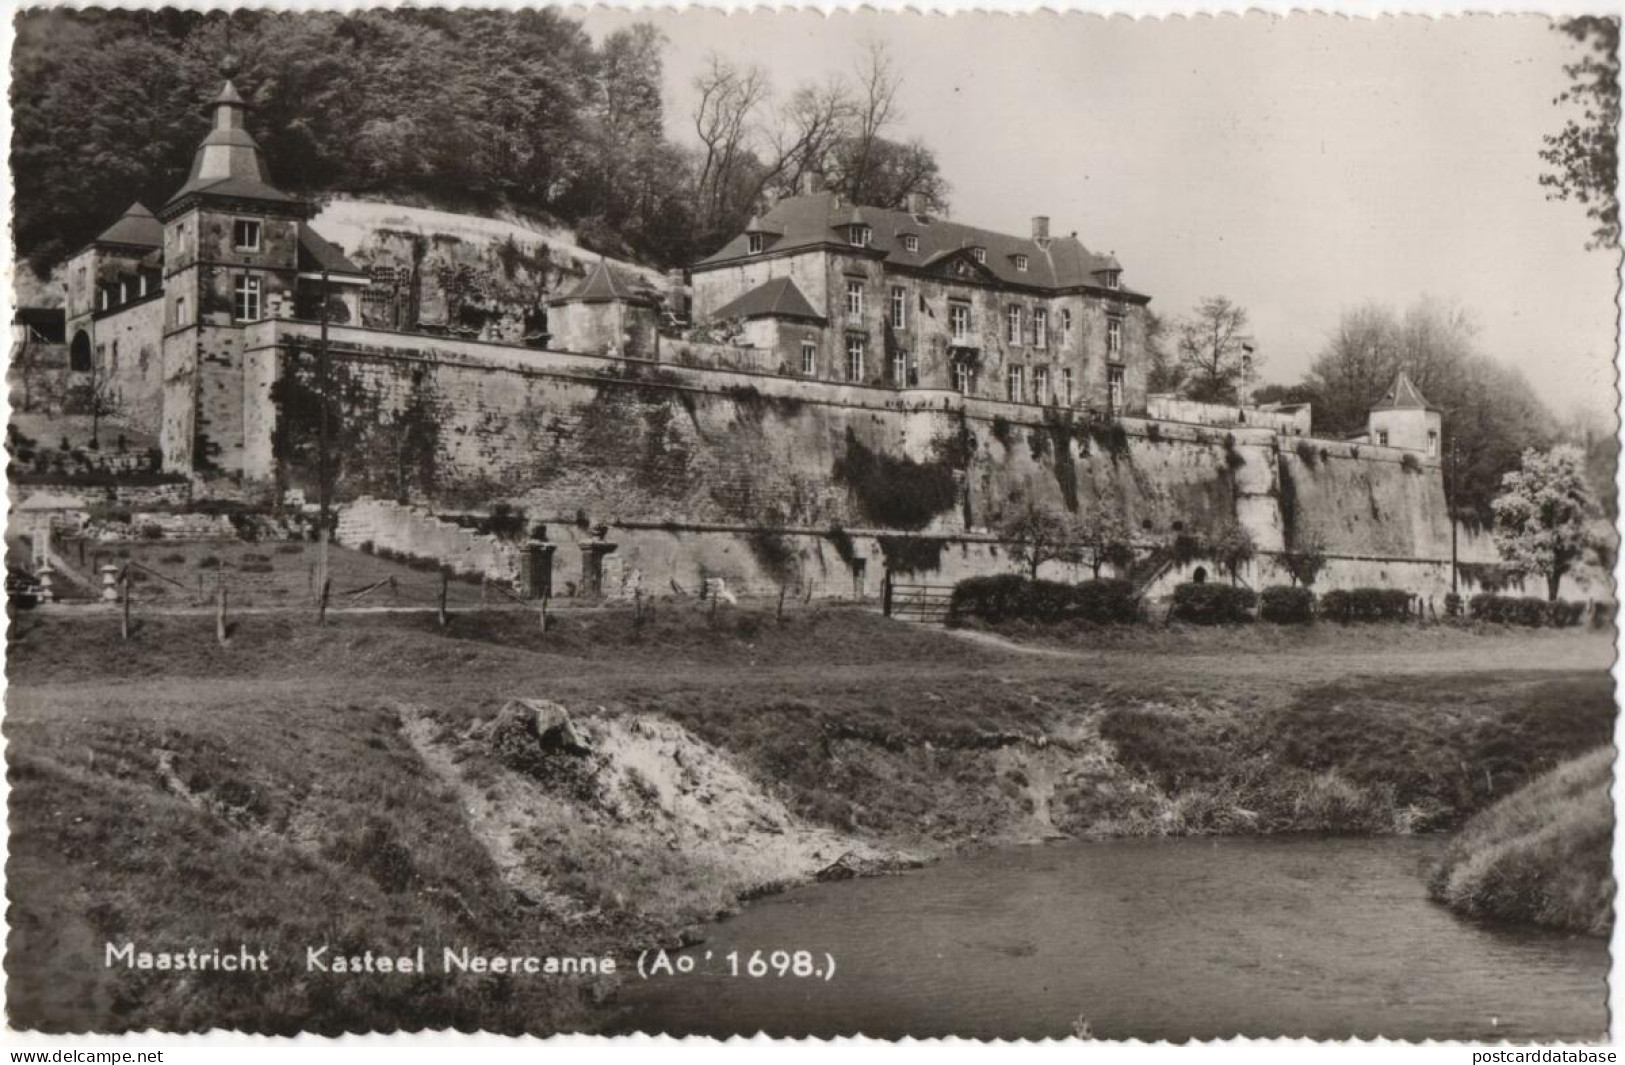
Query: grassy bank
(350, 785)
(1542, 854)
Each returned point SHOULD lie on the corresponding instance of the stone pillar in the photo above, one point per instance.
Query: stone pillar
(109, 574)
(47, 594)
(592, 568)
(536, 570)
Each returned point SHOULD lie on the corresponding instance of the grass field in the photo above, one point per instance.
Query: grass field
(325, 785)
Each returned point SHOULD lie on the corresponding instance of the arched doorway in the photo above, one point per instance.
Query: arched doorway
(1200, 576)
(79, 353)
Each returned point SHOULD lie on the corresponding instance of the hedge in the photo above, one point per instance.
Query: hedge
(1286, 605)
(1366, 604)
(1213, 604)
(1013, 598)
(1525, 610)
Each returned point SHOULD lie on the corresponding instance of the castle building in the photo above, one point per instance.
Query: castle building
(156, 305)
(849, 293)
(1403, 418)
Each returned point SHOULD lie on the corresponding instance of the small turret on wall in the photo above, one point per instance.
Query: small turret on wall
(1403, 418)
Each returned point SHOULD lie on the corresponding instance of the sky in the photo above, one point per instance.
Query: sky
(1299, 166)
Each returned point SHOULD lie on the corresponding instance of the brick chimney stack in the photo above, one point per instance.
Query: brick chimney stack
(916, 204)
(812, 183)
(1041, 228)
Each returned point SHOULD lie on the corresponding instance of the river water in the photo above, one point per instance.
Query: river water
(1149, 939)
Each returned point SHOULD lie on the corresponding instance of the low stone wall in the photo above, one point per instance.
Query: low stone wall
(414, 531)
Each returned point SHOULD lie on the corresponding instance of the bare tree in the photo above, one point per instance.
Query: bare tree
(1215, 351)
(725, 118)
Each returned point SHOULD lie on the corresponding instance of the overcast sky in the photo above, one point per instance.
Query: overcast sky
(1298, 166)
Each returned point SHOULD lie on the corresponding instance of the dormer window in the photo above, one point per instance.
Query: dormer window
(1114, 279)
(911, 242)
(245, 235)
(980, 254)
(756, 242)
(858, 236)
(1021, 263)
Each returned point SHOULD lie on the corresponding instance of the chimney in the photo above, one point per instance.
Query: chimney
(916, 204)
(812, 183)
(1041, 228)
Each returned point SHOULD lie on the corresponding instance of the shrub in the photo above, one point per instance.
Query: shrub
(1366, 604)
(1306, 453)
(1525, 610)
(208, 562)
(173, 560)
(256, 567)
(1452, 605)
(1013, 598)
(1409, 463)
(152, 531)
(290, 549)
(1286, 605)
(366, 547)
(1213, 604)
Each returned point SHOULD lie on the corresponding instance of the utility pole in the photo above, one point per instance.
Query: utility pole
(321, 444)
(1452, 504)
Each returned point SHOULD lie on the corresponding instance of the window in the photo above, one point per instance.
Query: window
(105, 297)
(980, 254)
(809, 358)
(754, 242)
(858, 236)
(899, 369)
(1066, 325)
(854, 357)
(1114, 279)
(899, 307)
(1012, 324)
(1114, 386)
(245, 235)
(79, 353)
(1015, 384)
(1114, 337)
(1066, 385)
(1040, 327)
(959, 320)
(854, 301)
(112, 366)
(1382, 437)
(964, 378)
(911, 242)
(1041, 384)
(141, 284)
(180, 311)
(246, 302)
(124, 290)
(1021, 263)
(1433, 442)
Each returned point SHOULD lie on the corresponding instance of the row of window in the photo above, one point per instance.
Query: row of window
(959, 319)
(904, 373)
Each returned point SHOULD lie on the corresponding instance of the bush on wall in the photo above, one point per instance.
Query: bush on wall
(1213, 604)
(1286, 605)
(1012, 598)
(1366, 604)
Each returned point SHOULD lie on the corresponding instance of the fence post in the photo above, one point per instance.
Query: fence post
(321, 602)
(782, 590)
(445, 580)
(484, 580)
(544, 615)
(885, 594)
(124, 580)
(220, 608)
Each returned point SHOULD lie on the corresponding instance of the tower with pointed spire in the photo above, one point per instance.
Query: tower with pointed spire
(1403, 418)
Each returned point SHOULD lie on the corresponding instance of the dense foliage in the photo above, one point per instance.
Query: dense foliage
(1366, 604)
(1213, 604)
(1013, 598)
(471, 109)
(1526, 610)
(1543, 515)
(1286, 605)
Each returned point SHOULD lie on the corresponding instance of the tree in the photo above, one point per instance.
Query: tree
(1232, 547)
(1584, 155)
(1543, 514)
(1035, 537)
(1306, 559)
(1165, 373)
(1107, 535)
(1215, 352)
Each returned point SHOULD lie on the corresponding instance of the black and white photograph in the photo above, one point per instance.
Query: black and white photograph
(597, 522)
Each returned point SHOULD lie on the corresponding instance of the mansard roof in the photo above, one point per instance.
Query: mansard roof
(821, 218)
(136, 227)
(777, 298)
(1403, 395)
